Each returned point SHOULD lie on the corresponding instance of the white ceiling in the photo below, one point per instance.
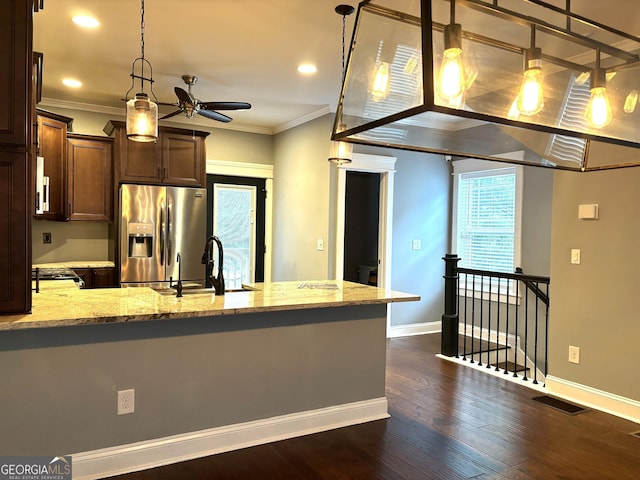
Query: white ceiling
(241, 50)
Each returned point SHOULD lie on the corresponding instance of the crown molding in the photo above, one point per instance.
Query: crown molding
(303, 119)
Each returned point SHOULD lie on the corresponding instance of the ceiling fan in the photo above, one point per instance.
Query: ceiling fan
(189, 104)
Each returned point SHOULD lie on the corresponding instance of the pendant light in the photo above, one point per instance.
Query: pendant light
(451, 78)
(142, 113)
(530, 99)
(598, 112)
(342, 152)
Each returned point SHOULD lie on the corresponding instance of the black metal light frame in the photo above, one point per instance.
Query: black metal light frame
(593, 139)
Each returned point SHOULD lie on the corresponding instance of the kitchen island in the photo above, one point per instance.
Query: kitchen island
(210, 373)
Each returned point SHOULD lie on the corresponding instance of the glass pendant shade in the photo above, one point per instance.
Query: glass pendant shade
(142, 119)
(460, 89)
(341, 152)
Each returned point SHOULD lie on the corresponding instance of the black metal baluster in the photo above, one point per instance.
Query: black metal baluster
(506, 329)
(498, 329)
(526, 331)
(489, 324)
(515, 350)
(535, 342)
(473, 316)
(466, 303)
(458, 309)
(546, 338)
(481, 317)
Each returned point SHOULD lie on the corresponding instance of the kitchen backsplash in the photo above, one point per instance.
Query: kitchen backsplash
(70, 241)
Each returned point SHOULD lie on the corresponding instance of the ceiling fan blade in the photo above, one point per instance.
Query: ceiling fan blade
(183, 96)
(172, 114)
(213, 115)
(174, 104)
(224, 105)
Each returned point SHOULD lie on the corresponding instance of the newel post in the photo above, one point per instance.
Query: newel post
(449, 341)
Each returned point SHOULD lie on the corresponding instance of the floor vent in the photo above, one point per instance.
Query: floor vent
(635, 434)
(565, 407)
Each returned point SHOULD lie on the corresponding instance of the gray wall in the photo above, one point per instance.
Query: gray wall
(595, 305)
(59, 385)
(301, 201)
(420, 212)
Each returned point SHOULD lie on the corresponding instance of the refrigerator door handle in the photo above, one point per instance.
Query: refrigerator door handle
(161, 237)
(169, 235)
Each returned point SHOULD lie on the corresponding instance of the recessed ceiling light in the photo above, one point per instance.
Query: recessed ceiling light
(85, 21)
(72, 82)
(307, 68)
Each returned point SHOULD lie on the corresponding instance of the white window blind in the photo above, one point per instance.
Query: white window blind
(486, 220)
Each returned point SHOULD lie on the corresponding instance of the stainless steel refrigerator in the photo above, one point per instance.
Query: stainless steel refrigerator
(156, 224)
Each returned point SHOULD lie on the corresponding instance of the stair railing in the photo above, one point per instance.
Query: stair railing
(496, 319)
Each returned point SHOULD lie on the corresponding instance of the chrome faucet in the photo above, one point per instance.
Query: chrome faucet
(207, 259)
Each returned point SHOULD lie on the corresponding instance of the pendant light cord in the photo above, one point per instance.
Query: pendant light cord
(344, 22)
(142, 40)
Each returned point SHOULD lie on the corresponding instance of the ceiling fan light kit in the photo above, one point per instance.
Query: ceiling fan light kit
(457, 85)
(142, 113)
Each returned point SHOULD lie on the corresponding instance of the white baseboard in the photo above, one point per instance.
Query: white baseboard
(164, 451)
(414, 329)
(594, 398)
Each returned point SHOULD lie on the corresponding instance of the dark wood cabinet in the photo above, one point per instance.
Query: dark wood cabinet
(97, 277)
(183, 160)
(16, 151)
(51, 145)
(89, 178)
(177, 158)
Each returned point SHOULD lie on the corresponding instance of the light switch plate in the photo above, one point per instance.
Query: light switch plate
(319, 244)
(575, 256)
(416, 245)
(574, 354)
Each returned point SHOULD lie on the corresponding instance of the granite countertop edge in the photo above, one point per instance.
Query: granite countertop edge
(61, 303)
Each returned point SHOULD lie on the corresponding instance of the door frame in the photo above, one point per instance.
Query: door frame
(385, 166)
(252, 170)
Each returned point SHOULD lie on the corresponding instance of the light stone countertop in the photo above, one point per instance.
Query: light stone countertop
(62, 303)
(77, 264)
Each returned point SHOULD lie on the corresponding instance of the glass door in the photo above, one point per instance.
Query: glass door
(234, 223)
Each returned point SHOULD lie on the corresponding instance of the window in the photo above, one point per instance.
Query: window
(486, 215)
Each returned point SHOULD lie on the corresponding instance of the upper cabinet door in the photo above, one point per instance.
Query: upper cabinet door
(135, 162)
(183, 160)
(52, 146)
(90, 174)
(15, 73)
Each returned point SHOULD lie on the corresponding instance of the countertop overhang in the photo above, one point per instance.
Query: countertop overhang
(61, 303)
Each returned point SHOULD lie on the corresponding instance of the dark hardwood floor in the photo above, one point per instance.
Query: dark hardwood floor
(447, 422)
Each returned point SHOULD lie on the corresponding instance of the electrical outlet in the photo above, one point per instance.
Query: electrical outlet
(574, 354)
(46, 237)
(126, 401)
